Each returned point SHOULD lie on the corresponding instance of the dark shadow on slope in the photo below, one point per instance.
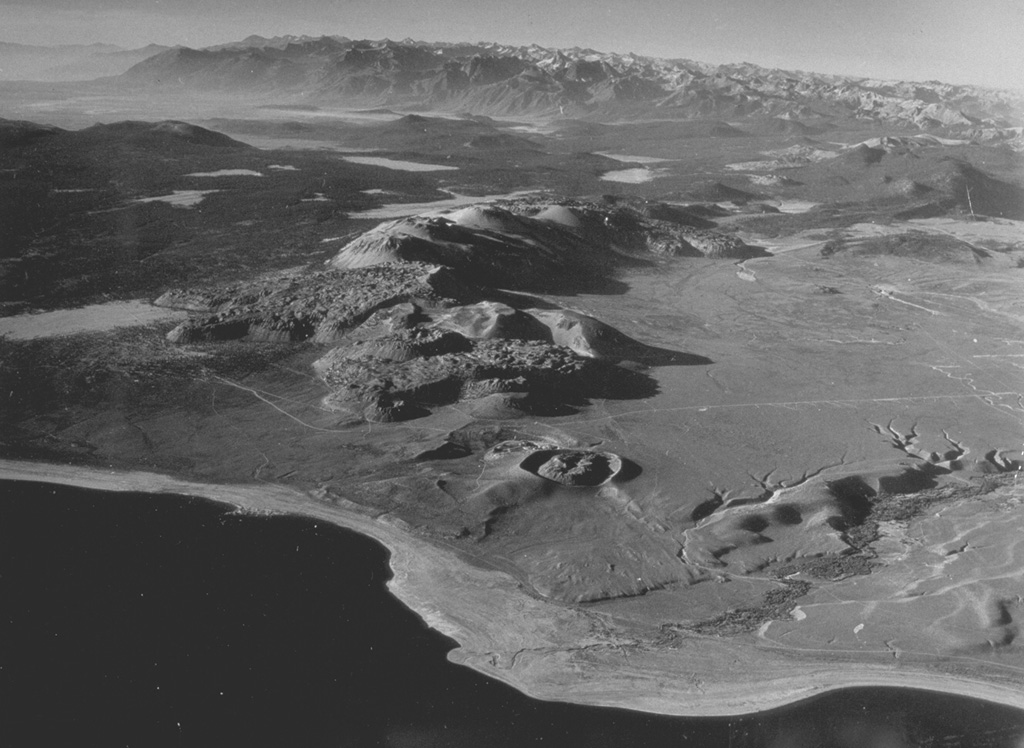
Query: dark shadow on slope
(706, 508)
(853, 495)
(925, 210)
(911, 480)
(920, 245)
(976, 192)
(613, 382)
(715, 192)
(654, 356)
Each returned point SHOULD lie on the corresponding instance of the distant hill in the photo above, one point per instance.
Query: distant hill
(69, 62)
(495, 79)
(18, 133)
(169, 135)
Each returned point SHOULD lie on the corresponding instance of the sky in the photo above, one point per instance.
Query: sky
(950, 40)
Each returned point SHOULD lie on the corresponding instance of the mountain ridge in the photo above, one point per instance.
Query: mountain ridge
(497, 79)
(69, 62)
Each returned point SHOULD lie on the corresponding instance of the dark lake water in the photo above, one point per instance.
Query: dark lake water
(134, 620)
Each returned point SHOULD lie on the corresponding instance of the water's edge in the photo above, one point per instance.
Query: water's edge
(548, 651)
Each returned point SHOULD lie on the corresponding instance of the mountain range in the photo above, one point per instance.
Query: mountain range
(501, 80)
(69, 62)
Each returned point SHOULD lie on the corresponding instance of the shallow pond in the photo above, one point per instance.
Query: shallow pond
(634, 159)
(391, 163)
(179, 198)
(399, 210)
(226, 173)
(631, 176)
(92, 318)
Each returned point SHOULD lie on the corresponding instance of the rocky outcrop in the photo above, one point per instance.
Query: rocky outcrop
(573, 467)
(716, 245)
(492, 320)
(296, 306)
(482, 368)
(592, 338)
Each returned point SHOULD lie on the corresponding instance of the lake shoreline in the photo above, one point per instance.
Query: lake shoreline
(548, 651)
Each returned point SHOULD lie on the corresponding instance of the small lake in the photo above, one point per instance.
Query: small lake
(794, 206)
(354, 116)
(92, 318)
(397, 165)
(275, 143)
(633, 159)
(631, 176)
(134, 619)
(226, 173)
(400, 210)
(179, 198)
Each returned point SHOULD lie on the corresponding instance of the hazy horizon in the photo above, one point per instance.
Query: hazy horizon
(913, 40)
